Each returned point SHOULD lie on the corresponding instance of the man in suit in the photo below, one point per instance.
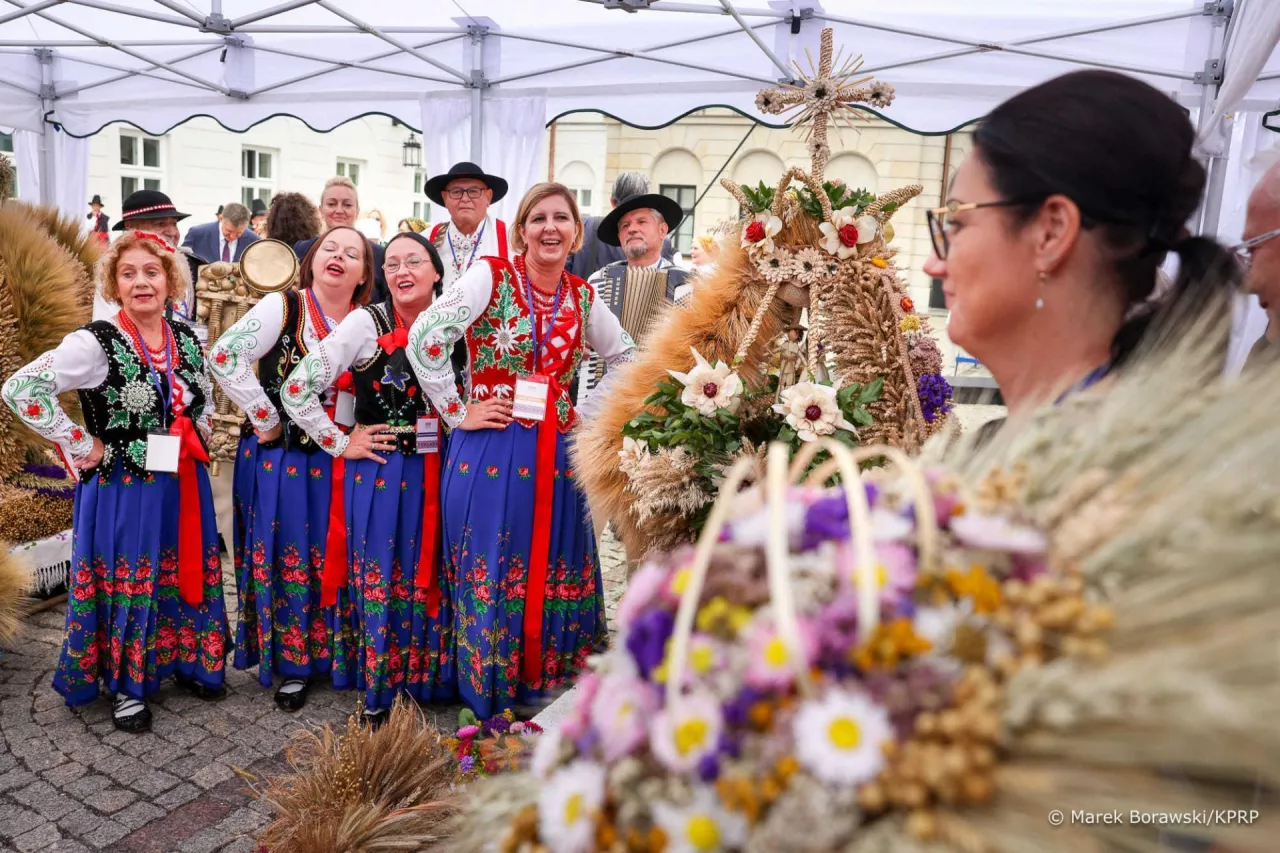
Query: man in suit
(595, 253)
(340, 206)
(225, 240)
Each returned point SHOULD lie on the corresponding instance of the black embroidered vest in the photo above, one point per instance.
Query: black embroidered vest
(275, 367)
(126, 407)
(386, 388)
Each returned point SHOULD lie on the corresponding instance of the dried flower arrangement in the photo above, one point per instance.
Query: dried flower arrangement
(805, 244)
(488, 747)
(1076, 617)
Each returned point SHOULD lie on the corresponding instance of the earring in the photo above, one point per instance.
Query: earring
(1044, 278)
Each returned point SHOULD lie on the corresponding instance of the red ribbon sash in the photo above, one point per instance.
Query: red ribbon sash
(334, 574)
(190, 532)
(394, 340)
(426, 577)
(540, 546)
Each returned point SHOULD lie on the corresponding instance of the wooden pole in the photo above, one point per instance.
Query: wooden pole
(946, 171)
(551, 154)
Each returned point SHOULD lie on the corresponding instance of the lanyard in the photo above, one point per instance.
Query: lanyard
(1093, 377)
(533, 318)
(325, 326)
(172, 355)
(474, 249)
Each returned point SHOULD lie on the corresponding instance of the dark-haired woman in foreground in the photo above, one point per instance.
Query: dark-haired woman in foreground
(1049, 245)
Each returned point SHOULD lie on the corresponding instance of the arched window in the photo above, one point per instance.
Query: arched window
(855, 170)
(758, 166)
(581, 180)
(677, 175)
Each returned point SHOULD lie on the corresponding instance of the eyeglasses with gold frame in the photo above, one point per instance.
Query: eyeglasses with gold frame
(938, 220)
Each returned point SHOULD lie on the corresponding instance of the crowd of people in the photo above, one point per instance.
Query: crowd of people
(404, 512)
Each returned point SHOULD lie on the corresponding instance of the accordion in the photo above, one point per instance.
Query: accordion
(637, 296)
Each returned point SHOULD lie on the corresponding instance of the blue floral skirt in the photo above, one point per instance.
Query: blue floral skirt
(127, 627)
(487, 493)
(282, 497)
(405, 649)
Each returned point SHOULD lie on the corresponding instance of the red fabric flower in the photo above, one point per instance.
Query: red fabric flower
(849, 235)
(908, 305)
(755, 232)
(377, 386)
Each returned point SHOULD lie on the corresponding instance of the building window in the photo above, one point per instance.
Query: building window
(583, 197)
(683, 195)
(421, 207)
(141, 166)
(257, 176)
(6, 147)
(350, 169)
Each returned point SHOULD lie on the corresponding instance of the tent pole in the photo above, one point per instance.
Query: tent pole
(1216, 151)
(478, 83)
(47, 194)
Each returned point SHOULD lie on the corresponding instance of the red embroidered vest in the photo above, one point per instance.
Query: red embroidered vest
(501, 341)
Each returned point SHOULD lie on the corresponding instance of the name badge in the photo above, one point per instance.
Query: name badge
(344, 410)
(530, 402)
(428, 435)
(163, 451)
(202, 335)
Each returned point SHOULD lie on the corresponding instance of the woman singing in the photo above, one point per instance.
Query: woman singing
(521, 558)
(403, 623)
(145, 599)
(292, 561)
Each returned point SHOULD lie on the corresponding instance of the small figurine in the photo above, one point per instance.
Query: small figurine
(791, 358)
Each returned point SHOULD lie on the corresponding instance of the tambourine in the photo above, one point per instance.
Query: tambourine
(269, 266)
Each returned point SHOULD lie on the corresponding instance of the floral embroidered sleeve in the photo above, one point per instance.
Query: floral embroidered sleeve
(613, 345)
(353, 342)
(77, 362)
(232, 357)
(433, 334)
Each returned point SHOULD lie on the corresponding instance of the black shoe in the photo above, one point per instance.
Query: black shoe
(376, 719)
(292, 701)
(198, 690)
(134, 722)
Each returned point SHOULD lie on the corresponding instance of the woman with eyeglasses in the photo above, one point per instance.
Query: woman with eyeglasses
(403, 621)
(294, 610)
(1057, 223)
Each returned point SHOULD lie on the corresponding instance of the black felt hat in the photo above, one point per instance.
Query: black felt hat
(259, 207)
(97, 199)
(147, 204)
(669, 208)
(435, 186)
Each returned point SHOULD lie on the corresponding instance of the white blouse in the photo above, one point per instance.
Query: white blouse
(461, 305)
(354, 342)
(233, 356)
(78, 362)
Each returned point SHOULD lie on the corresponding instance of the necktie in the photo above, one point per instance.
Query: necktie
(226, 251)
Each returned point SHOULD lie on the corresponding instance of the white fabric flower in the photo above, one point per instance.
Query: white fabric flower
(776, 267)
(704, 826)
(840, 738)
(567, 807)
(758, 234)
(831, 240)
(684, 732)
(632, 448)
(808, 266)
(709, 388)
(867, 227)
(812, 410)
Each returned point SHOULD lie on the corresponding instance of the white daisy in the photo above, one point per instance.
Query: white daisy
(567, 807)
(840, 737)
(546, 753)
(998, 534)
(758, 234)
(812, 410)
(777, 266)
(704, 826)
(709, 389)
(686, 731)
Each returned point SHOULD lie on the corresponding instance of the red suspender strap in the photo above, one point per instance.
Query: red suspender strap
(502, 238)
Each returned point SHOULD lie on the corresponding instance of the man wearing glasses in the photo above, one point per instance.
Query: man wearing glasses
(471, 233)
(1260, 253)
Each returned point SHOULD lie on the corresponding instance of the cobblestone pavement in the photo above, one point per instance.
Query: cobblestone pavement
(69, 782)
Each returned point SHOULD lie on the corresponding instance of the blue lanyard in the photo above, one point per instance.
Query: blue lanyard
(172, 354)
(474, 249)
(1092, 378)
(328, 324)
(533, 320)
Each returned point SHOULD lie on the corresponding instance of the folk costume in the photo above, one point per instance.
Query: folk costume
(145, 588)
(99, 222)
(635, 295)
(521, 556)
(290, 538)
(459, 251)
(403, 622)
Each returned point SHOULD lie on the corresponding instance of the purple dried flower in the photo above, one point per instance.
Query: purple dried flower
(935, 395)
(708, 768)
(736, 709)
(647, 639)
(466, 764)
(48, 472)
(729, 745)
(828, 518)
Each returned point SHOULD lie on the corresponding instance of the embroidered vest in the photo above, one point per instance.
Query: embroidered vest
(126, 407)
(501, 341)
(386, 388)
(275, 367)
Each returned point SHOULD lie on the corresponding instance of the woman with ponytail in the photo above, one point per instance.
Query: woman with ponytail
(1051, 242)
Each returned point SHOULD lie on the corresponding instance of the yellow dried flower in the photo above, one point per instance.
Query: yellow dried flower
(889, 644)
(880, 262)
(909, 323)
(978, 585)
(719, 613)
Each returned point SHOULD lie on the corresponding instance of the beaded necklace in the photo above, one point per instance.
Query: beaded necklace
(166, 353)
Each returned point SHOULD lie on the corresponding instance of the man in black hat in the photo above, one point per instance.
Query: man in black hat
(153, 211)
(471, 233)
(594, 253)
(99, 220)
(258, 220)
(639, 227)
